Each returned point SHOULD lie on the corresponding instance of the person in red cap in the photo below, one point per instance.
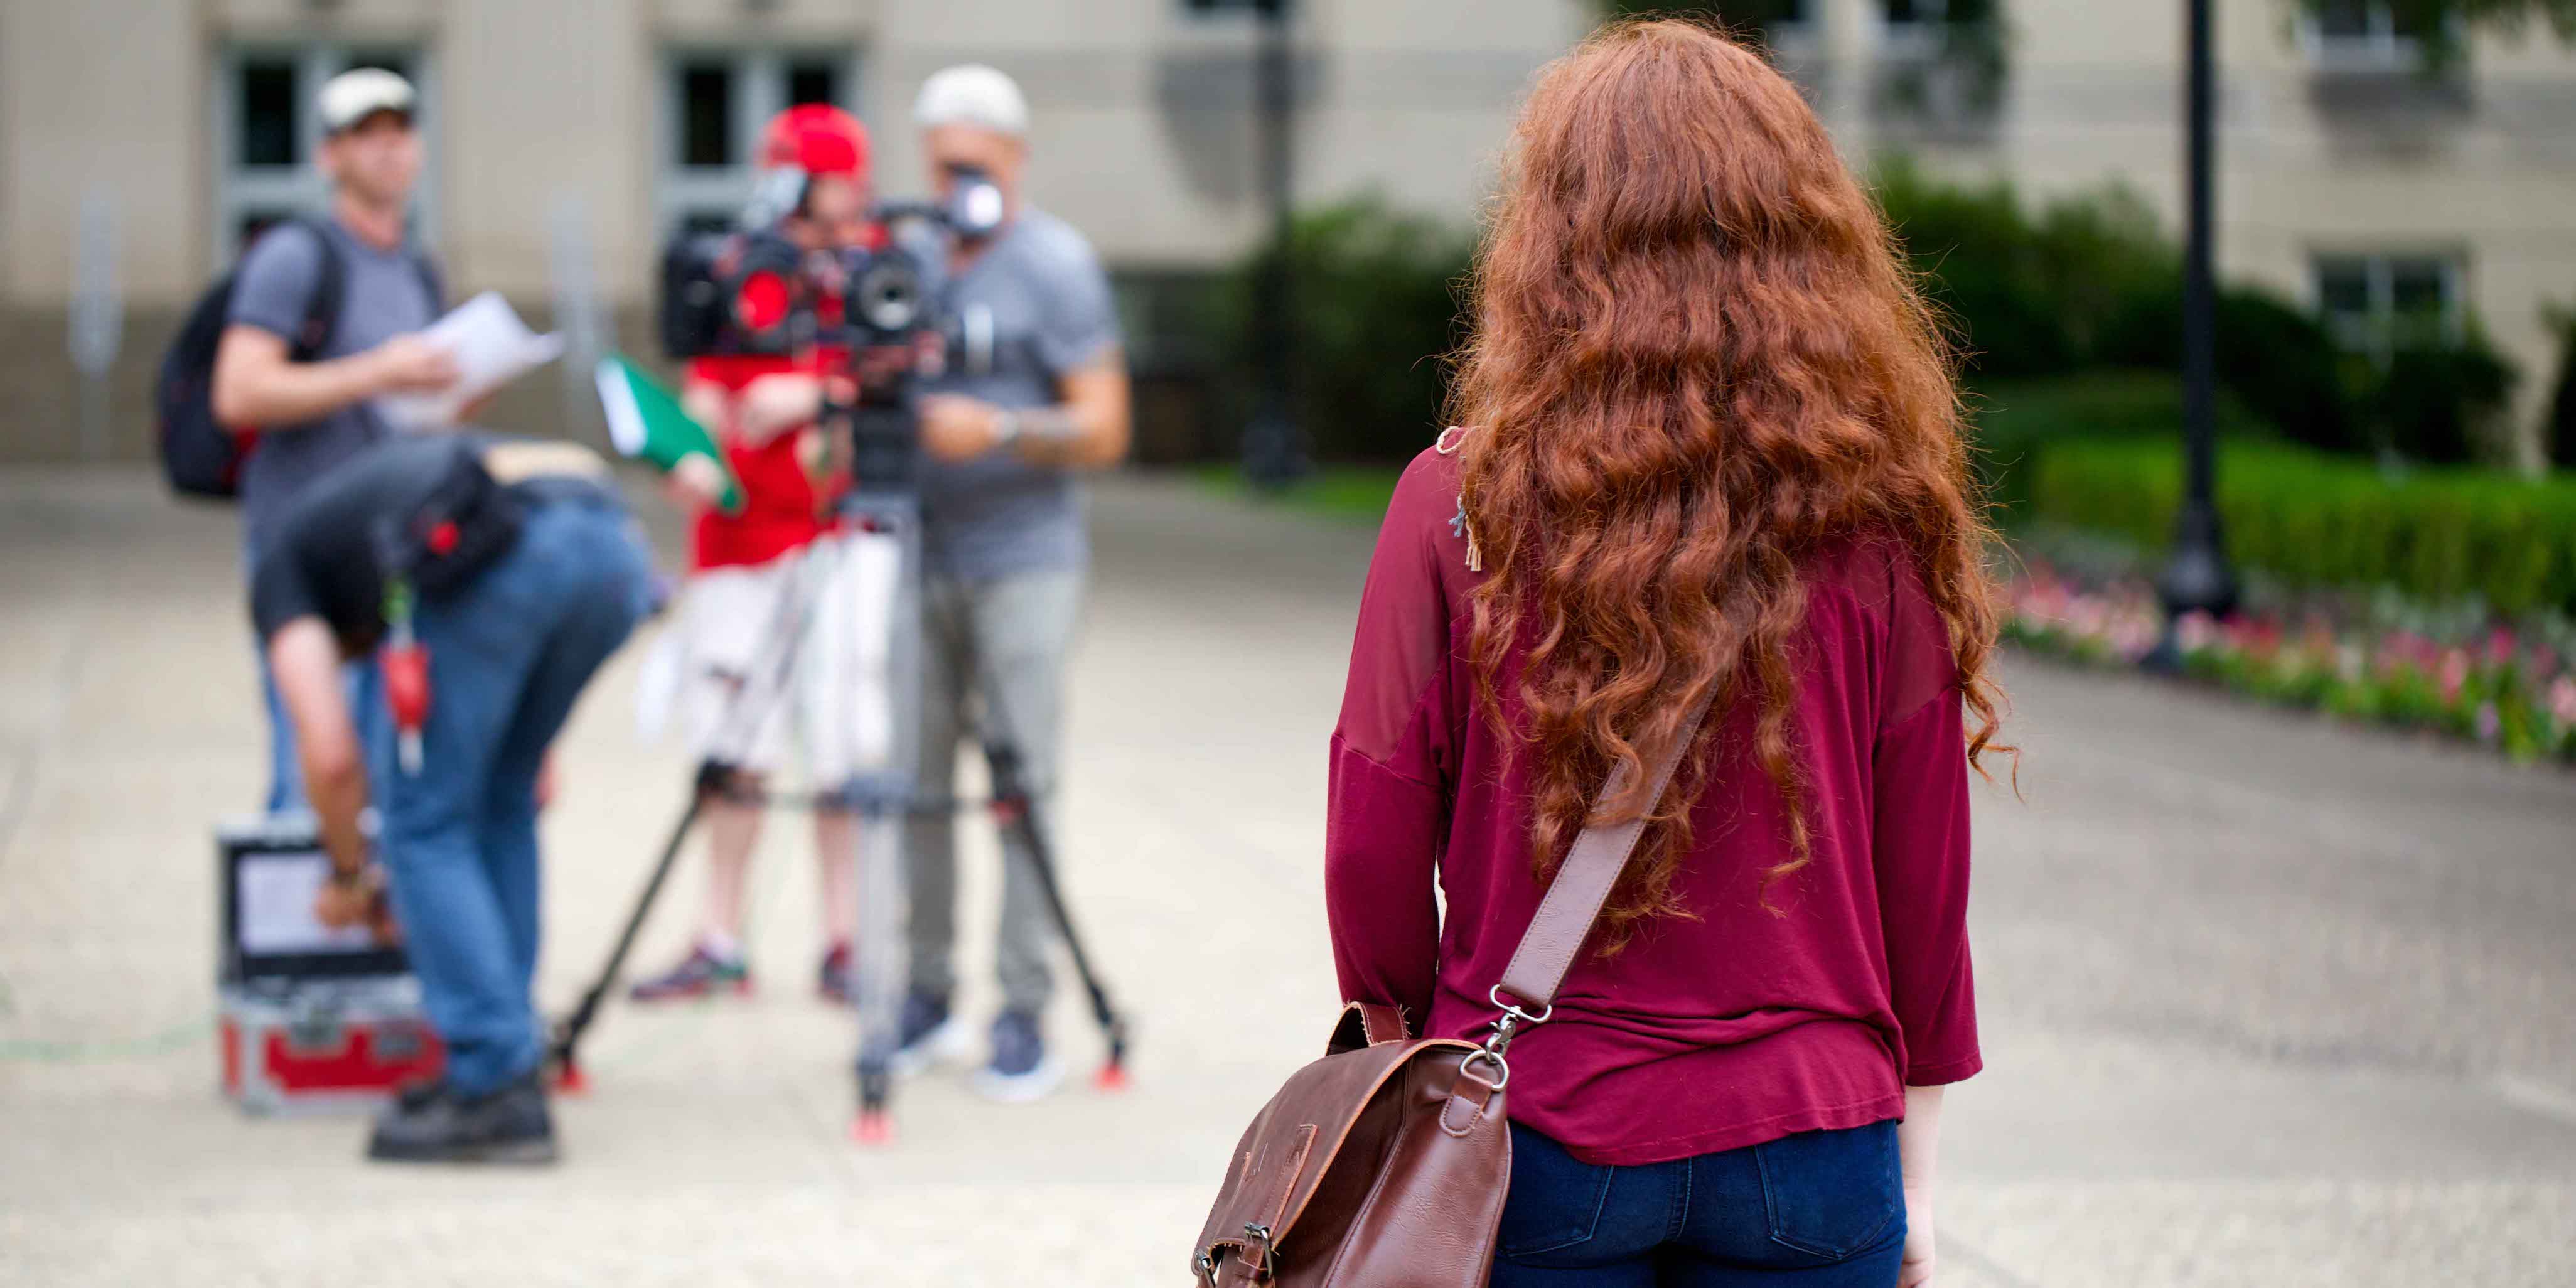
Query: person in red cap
(748, 570)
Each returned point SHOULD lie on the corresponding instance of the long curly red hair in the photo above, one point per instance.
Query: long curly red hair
(1696, 358)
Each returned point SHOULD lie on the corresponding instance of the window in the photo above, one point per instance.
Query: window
(2367, 35)
(1913, 27)
(1230, 6)
(2375, 304)
(267, 133)
(714, 104)
(267, 113)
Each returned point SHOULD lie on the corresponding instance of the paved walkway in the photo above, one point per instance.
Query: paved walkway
(2266, 1001)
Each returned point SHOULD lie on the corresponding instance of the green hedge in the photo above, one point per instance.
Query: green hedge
(2322, 521)
(2015, 422)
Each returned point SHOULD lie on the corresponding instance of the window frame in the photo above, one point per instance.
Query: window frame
(2379, 49)
(1920, 36)
(2378, 329)
(243, 191)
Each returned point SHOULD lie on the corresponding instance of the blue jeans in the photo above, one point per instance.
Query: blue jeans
(508, 655)
(366, 690)
(1818, 1209)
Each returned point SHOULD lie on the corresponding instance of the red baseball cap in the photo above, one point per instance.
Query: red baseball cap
(816, 138)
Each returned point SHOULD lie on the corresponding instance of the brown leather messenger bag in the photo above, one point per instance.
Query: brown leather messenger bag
(1384, 1164)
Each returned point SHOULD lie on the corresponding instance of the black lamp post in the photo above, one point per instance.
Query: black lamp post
(2196, 577)
(1273, 451)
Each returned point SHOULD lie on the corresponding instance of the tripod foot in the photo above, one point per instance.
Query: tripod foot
(1112, 1078)
(569, 1080)
(872, 1129)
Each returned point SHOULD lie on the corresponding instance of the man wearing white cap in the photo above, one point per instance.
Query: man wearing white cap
(299, 369)
(1038, 396)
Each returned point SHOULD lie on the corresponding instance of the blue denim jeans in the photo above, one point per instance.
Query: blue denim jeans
(1818, 1209)
(508, 655)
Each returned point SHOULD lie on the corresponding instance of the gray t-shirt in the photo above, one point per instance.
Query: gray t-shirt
(1034, 306)
(383, 295)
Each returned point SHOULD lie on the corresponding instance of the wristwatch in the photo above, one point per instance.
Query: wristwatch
(1007, 427)
(358, 878)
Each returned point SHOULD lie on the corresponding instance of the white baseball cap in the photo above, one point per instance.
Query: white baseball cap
(353, 96)
(973, 94)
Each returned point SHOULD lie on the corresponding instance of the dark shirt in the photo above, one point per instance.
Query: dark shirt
(326, 558)
(1736, 1027)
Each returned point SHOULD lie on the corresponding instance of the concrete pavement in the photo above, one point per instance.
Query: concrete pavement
(2265, 1001)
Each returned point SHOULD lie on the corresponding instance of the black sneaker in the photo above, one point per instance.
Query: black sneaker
(832, 978)
(701, 974)
(507, 1125)
(1020, 1070)
(930, 1035)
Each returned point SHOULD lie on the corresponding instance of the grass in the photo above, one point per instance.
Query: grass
(1346, 493)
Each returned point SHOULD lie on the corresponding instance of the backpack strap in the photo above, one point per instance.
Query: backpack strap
(431, 282)
(330, 288)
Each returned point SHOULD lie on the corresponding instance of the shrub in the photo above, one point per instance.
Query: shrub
(2016, 421)
(1376, 300)
(2318, 521)
(2561, 425)
(2435, 402)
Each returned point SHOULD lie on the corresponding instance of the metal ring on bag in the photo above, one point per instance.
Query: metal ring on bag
(1502, 1067)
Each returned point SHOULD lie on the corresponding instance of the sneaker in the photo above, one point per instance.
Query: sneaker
(507, 1125)
(701, 974)
(412, 1097)
(1020, 1070)
(832, 980)
(930, 1035)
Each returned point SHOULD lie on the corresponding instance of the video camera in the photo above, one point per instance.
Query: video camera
(755, 291)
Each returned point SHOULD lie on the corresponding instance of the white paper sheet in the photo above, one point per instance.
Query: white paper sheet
(491, 346)
(277, 892)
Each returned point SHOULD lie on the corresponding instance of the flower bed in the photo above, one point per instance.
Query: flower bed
(2508, 687)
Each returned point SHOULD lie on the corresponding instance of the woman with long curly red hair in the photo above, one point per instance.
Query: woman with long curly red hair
(1712, 456)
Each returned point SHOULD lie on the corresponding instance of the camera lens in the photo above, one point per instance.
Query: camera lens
(889, 296)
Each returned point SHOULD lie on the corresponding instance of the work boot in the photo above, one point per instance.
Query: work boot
(1020, 1070)
(930, 1035)
(832, 979)
(509, 1124)
(701, 974)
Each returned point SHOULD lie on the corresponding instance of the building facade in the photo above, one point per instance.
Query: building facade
(142, 140)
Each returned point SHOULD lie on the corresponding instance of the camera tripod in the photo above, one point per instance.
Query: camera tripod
(877, 560)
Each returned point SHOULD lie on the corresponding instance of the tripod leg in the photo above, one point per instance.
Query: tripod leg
(878, 595)
(1016, 807)
(567, 1072)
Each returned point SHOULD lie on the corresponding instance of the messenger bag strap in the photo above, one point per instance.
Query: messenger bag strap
(1573, 901)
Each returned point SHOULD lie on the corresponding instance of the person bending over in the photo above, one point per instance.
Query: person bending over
(515, 567)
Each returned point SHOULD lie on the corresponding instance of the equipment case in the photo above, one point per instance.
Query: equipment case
(309, 1018)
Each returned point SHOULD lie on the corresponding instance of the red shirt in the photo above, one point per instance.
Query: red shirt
(1702, 1035)
(781, 511)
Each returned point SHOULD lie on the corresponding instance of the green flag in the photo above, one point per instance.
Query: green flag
(645, 421)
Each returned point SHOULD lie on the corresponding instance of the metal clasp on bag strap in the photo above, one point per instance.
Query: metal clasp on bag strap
(1505, 1026)
(1259, 1236)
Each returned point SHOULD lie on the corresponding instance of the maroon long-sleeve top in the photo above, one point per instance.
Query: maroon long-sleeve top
(1739, 1026)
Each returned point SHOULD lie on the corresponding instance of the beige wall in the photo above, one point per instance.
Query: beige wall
(1144, 130)
(99, 94)
(532, 92)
